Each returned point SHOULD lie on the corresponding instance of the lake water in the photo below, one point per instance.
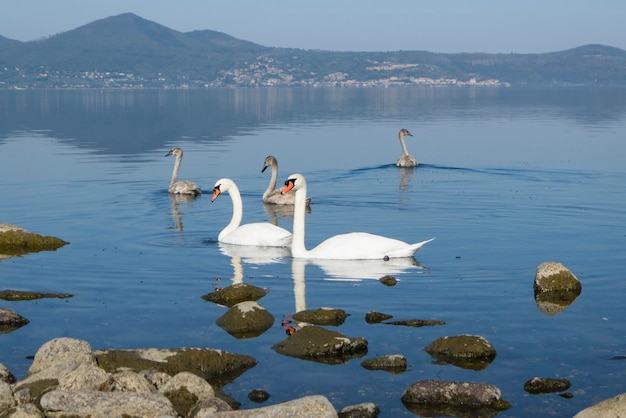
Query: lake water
(508, 179)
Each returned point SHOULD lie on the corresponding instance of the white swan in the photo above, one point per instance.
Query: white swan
(260, 234)
(406, 160)
(181, 187)
(272, 195)
(352, 246)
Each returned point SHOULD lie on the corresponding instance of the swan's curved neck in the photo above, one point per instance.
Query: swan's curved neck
(235, 221)
(403, 143)
(175, 172)
(273, 179)
(298, 249)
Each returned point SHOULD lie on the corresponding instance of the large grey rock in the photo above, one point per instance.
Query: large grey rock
(93, 404)
(68, 353)
(309, 406)
(84, 377)
(608, 408)
(448, 398)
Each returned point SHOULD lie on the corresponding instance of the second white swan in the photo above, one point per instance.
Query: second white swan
(352, 246)
(260, 234)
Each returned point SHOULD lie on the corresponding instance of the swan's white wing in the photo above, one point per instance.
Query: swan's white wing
(363, 246)
(260, 234)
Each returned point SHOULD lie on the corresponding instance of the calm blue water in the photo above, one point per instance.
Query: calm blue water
(508, 179)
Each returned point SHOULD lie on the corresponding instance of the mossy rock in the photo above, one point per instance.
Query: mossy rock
(18, 241)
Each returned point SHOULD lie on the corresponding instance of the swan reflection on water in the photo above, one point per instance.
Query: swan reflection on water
(175, 200)
(276, 212)
(332, 269)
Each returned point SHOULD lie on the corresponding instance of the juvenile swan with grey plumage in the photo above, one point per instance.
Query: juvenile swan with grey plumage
(181, 187)
(272, 195)
(406, 160)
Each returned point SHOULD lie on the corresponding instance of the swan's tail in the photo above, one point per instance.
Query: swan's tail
(408, 251)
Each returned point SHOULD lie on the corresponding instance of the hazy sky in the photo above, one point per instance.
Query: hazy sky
(350, 25)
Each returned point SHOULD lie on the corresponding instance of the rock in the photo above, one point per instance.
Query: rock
(69, 353)
(216, 366)
(246, 320)
(86, 376)
(258, 395)
(17, 295)
(321, 316)
(130, 381)
(6, 375)
(17, 241)
(6, 396)
(388, 280)
(185, 389)
(447, 398)
(94, 404)
(206, 408)
(555, 277)
(10, 321)
(309, 406)
(466, 351)
(157, 379)
(613, 407)
(319, 344)
(538, 385)
(376, 317)
(394, 363)
(364, 410)
(237, 293)
(27, 410)
(417, 323)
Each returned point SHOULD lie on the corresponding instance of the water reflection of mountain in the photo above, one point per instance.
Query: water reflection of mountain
(137, 121)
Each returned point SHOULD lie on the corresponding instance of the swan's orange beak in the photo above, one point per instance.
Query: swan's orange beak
(216, 193)
(288, 186)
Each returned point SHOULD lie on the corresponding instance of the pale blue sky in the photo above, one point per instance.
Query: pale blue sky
(350, 25)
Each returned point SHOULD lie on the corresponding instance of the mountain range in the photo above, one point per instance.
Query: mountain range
(127, 51)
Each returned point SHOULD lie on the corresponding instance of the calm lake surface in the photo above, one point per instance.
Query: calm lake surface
(508, 179)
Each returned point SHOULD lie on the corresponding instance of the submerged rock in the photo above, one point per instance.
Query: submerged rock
(466, 351)
(237, 293)
(246, 320)
(319, 344)
(417, 323)
(388, 280)
(538, 385)
(447, 398)
(322, 316)
(18, 295)
(17, 241)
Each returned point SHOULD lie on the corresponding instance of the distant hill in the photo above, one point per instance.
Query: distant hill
(129, 51)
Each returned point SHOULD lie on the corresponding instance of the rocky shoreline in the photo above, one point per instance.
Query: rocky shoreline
(69, 378)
